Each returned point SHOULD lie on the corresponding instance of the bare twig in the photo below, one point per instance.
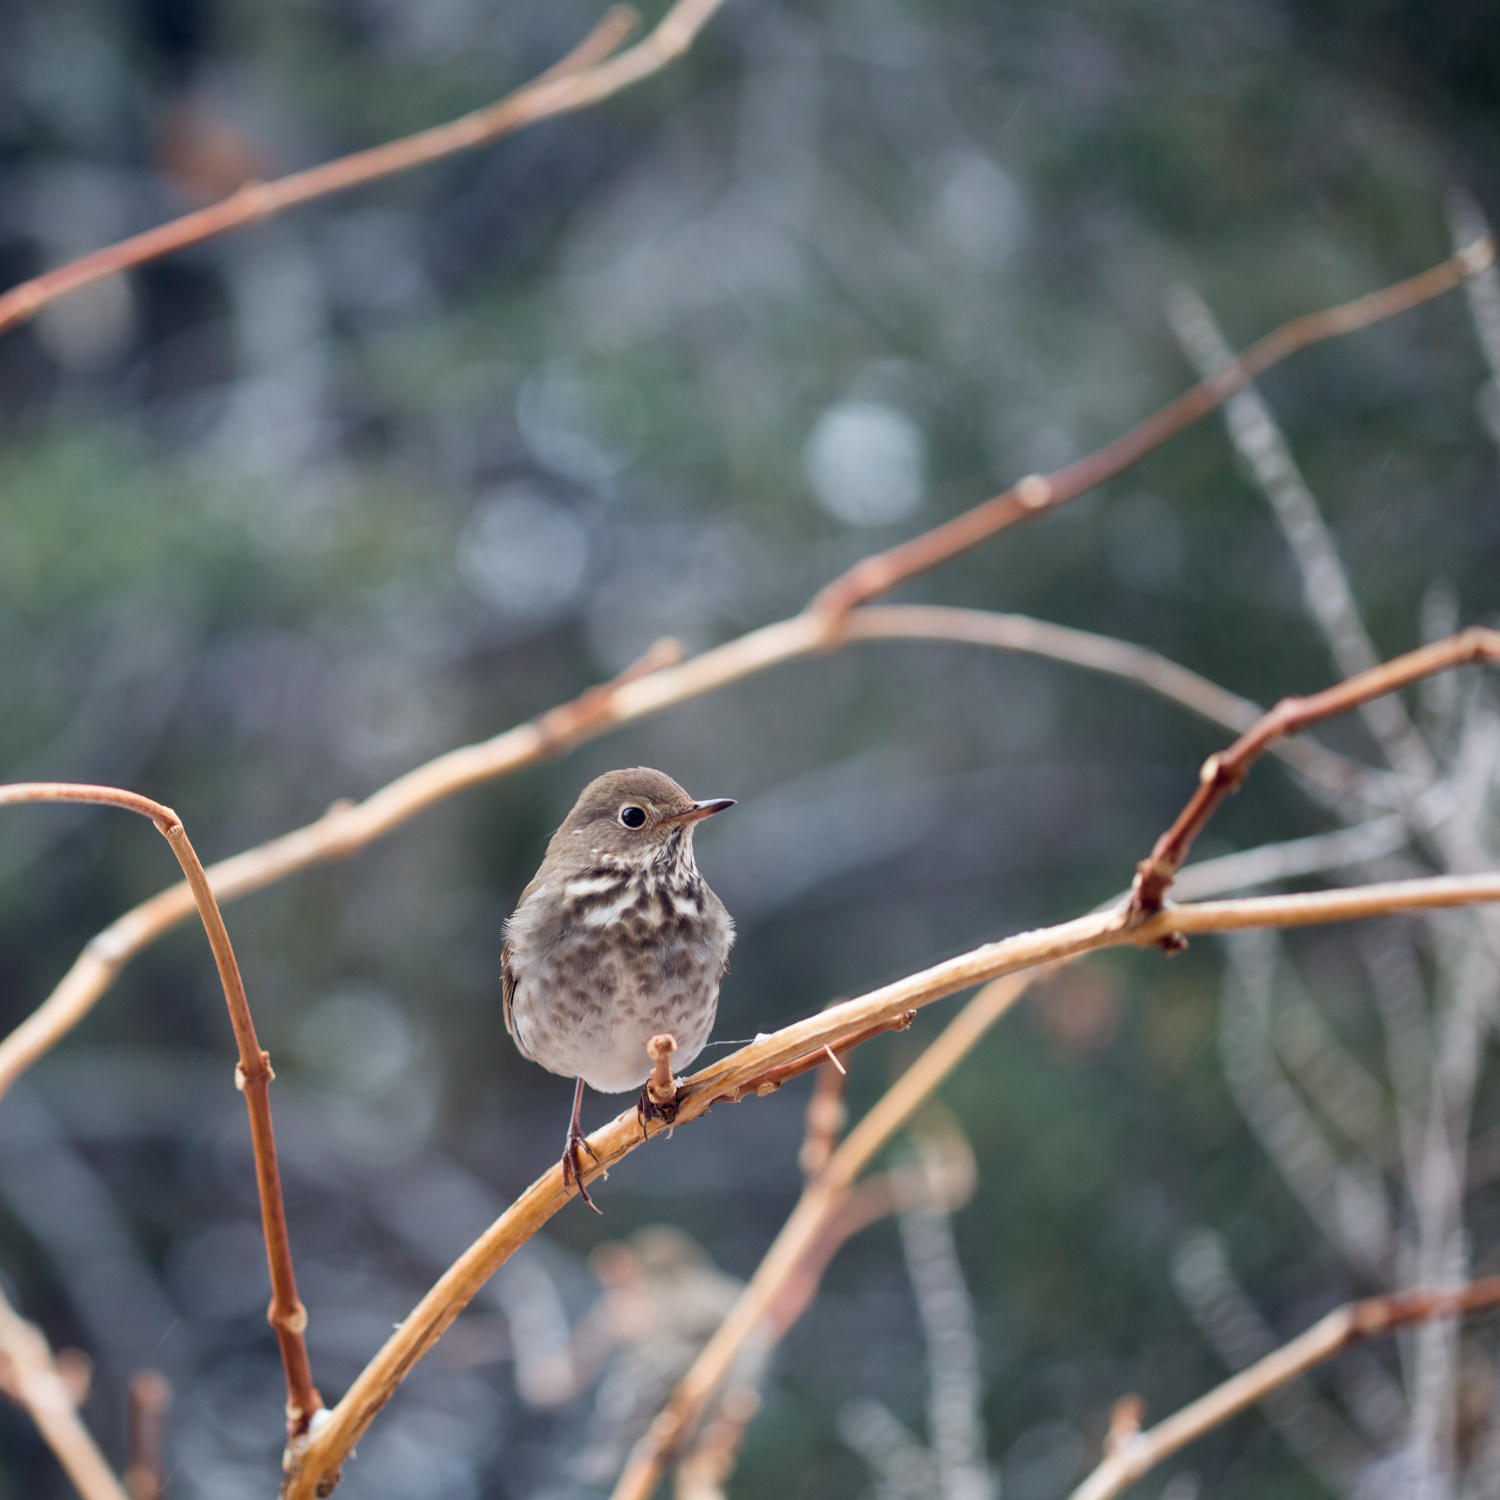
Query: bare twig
(587, 75)
(704, 1471)
(286, 1315)
(656, 683)
(1223, 772)
(29, 1375)
(1268, 863)
(1037, 494)
(826, 1116)
(148, 1396)
(1337, 1331)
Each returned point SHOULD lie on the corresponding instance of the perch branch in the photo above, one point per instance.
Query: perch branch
(1224, 772)
(656, 683)
(1346, 1325)
(29, 1375)
(286, 1314)
(314, 1462)
(585, 76)
(1037, 494)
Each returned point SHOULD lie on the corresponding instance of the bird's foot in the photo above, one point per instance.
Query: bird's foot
(572, 1165)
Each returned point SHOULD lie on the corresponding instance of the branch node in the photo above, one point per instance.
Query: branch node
(1125, 1419)
(1034, 491)
(1479, 256)
(294, 1321)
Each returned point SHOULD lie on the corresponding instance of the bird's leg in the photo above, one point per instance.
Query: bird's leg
(572, 1166)
(658, 1100)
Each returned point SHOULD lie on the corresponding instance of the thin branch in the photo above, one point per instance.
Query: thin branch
(1037, 494)
(29, 1375)
(1346, 1325)
(286, 1314)
(1269, 863)
(585, 76)
(1333, 774)
(1224, 772)
(657, 682)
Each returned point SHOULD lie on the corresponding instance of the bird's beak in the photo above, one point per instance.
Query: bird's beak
(700, 810)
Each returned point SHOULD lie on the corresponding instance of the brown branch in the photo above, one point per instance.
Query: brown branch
(286, 1314)
(791, 1262)
(1224, 772)
(652, 685)
(1346, 1325)
(29, 1375)
(585, 76)
(704, 1472)
(1037, 494)
(313, 1464)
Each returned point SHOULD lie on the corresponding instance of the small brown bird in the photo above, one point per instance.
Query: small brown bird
(616, 940)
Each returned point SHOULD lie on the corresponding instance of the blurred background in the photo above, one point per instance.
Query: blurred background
(285, 515)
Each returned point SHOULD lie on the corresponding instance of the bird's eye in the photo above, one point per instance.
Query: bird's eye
(632, 817)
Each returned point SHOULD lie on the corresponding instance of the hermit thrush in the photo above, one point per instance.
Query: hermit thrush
(616, 940)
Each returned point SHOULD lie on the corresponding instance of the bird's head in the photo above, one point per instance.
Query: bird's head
(635, 814)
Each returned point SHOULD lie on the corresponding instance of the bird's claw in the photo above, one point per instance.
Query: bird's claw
(572, 1167)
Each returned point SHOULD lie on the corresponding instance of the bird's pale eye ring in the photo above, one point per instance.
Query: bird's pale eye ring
(632, 816)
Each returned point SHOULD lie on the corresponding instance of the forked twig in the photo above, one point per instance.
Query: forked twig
(1346, 1325)
(1037, 494)
(585, 76)
(1223, 773)
(286, 1315)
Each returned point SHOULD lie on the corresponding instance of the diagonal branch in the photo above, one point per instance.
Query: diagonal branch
(1224, 772)
(585, 76)
(1037, 494)
(800, 1237)
(286, 1314)
(314, 1462)
(1355, 1321)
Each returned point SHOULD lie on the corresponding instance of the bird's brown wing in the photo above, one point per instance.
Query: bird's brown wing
(508, 997)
